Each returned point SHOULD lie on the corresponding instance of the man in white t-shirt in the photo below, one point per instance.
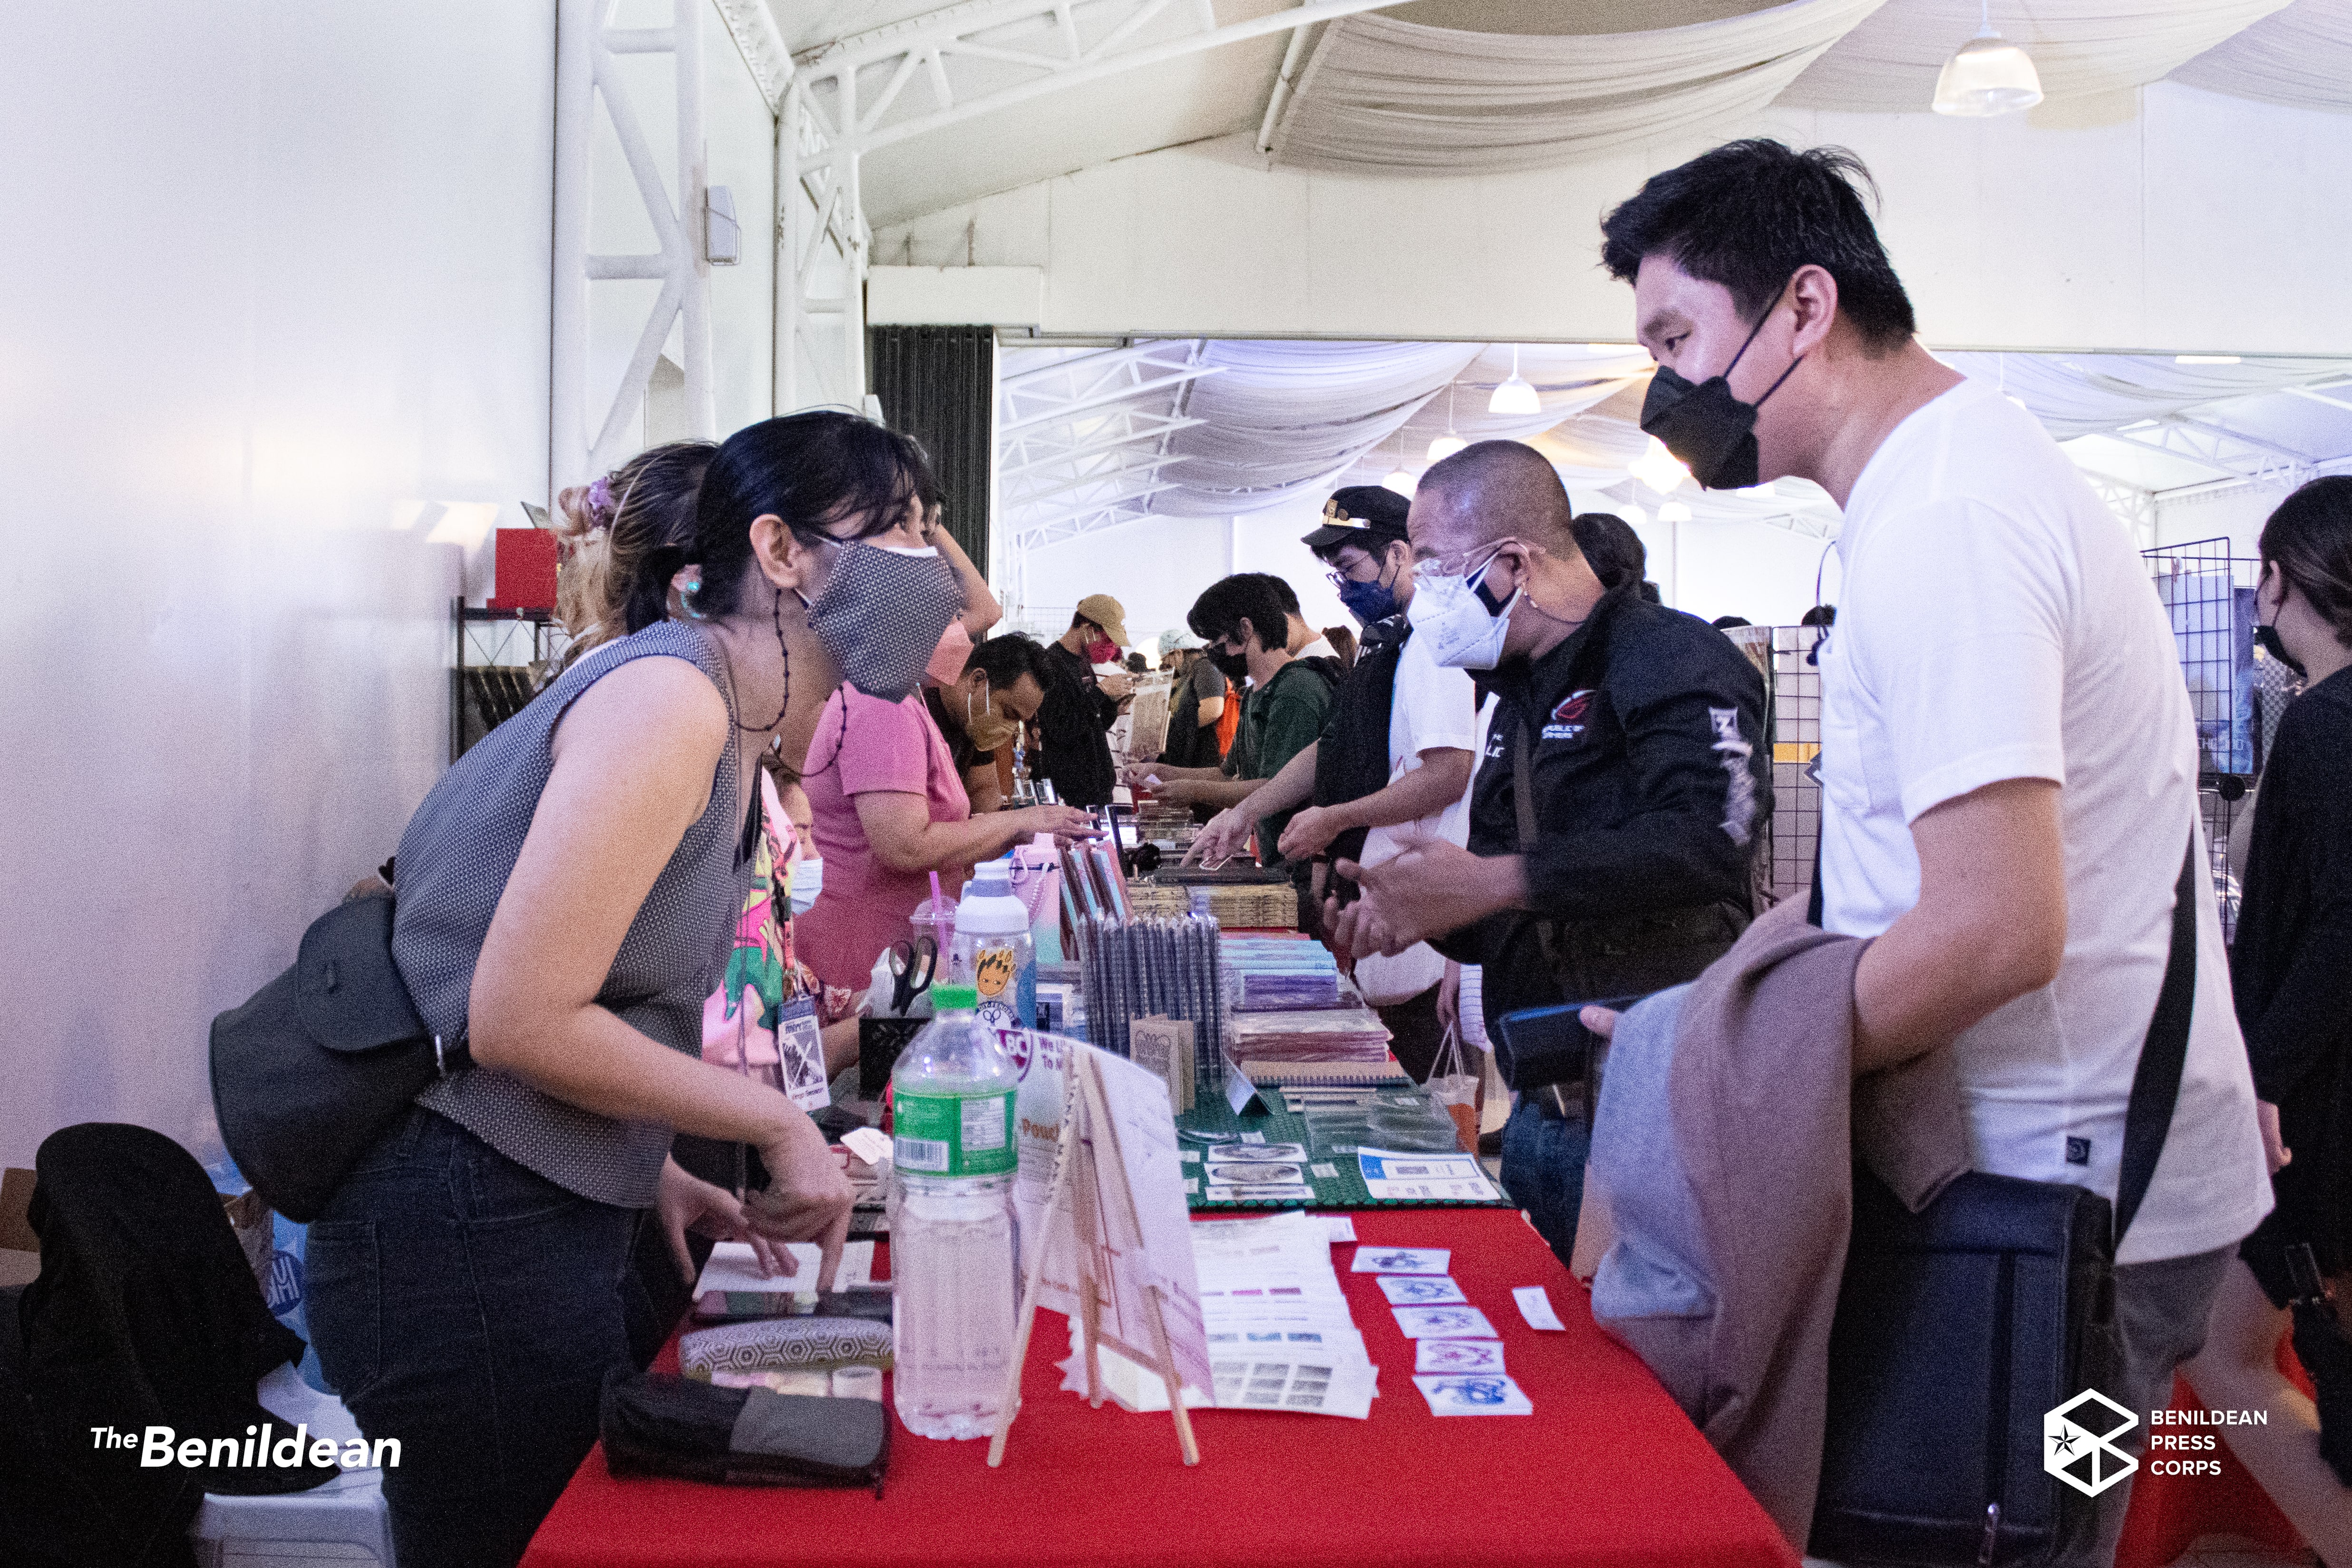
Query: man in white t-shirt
(2009, 764)
(1393, 763)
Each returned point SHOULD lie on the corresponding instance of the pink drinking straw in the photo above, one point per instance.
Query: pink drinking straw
(938, 902)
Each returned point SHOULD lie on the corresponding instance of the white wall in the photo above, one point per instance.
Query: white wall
(2236, 514)
(1725, 568)
(274, 310)
(2173, 219)
(1154, 568)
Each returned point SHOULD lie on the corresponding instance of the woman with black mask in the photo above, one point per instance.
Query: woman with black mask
(564, 897)
(2291, 972)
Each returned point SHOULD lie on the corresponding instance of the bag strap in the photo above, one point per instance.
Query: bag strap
(2156, 1082)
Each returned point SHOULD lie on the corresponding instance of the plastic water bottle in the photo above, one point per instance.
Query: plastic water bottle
(992, 951)
(951, 1250)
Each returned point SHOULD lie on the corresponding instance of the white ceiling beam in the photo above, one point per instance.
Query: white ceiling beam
(1118, 472)
(1153, 431)
(1102, 359)
(1065, 413)
(1085, 509)
(939, 37)
(753, 27)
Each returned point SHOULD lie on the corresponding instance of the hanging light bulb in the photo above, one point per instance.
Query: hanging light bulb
(1988, 75)
(1673, 511)
(1515, 396)
(1659, 469)
(1445, 446)
(1401, 478)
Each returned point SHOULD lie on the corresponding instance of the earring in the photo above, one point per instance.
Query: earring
(686, 593)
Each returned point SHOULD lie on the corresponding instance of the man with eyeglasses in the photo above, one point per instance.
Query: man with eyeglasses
(1619, 805)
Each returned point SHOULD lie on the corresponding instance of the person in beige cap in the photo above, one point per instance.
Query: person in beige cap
(1080, 706)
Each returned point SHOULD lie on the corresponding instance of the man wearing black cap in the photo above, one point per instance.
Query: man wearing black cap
(1393, 763)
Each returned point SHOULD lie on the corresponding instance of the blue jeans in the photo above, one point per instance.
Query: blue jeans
(470, 1309)
(1543, 1166)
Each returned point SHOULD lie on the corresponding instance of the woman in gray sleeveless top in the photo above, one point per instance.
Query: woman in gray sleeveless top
(565, 899)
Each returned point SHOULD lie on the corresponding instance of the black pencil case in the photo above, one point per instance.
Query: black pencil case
(657, 1425)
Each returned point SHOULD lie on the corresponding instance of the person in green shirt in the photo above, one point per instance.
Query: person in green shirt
(1251, 634)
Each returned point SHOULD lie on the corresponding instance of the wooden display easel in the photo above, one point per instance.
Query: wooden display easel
(1084, 1178)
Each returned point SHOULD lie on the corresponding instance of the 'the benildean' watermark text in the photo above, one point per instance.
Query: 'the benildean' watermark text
(258, 1448)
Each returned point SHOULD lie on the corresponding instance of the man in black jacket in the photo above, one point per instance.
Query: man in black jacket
(1080, 706)
(1639, 731)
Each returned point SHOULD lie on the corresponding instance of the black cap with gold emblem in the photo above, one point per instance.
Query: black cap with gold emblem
(1366, 515)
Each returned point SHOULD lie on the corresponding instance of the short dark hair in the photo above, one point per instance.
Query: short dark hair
(1819, 616)
(1254, 596)
(1005, 660)
(1611, 548)
(2310, 538)
(1725, 623)
(1748, 214)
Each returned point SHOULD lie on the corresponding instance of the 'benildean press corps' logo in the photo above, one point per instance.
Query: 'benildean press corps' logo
(2080, 1437)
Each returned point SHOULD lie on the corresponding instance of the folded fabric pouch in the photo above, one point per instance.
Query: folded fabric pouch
(783, 1341)
(657, 1425)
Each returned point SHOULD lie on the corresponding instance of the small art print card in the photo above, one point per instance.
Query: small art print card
(1445, 1323)
(1473, 1397)
(1419, 1291)
(1457, 1358)
(1402, 1259)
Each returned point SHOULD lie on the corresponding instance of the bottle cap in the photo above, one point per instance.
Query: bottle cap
(955, 998)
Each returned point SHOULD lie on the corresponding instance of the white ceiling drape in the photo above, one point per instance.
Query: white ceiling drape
(1280, 417)
(1394, 97)
(1890, 58)
(1284, 417)
(2301, 56)
(2088, 394)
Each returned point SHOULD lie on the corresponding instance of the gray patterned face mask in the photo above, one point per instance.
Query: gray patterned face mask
(882, 615)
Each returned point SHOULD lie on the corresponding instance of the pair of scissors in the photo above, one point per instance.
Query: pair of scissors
(912, 966)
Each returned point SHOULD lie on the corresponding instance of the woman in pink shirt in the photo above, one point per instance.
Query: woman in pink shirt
(887, 810)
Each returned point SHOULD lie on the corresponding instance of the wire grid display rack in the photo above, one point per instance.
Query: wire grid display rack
(1792, 717)
(504, 658)
(2236, 692)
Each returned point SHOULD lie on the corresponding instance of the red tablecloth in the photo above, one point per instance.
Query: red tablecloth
(1606, 1472)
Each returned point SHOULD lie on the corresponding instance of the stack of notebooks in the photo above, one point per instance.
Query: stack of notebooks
(1294, 1010)
(1353, 1035)
(1282, 975)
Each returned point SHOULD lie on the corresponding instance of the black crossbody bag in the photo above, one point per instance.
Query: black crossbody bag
(314, 1068)
(1959, 1328)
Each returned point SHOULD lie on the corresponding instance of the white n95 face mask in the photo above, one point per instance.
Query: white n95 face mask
(1464, 631)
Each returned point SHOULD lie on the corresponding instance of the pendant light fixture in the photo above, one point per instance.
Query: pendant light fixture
(1659, 469)
(1401, 478)
(1515, 396)
(1988, 75)
(1445, 446)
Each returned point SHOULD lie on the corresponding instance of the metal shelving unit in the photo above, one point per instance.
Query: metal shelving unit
(504, 657)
